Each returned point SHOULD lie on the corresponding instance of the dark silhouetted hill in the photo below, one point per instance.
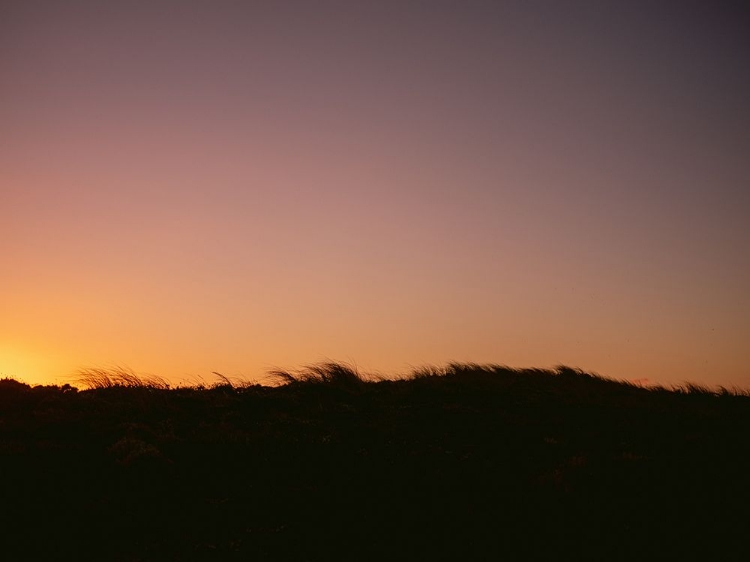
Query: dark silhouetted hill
(461, 462)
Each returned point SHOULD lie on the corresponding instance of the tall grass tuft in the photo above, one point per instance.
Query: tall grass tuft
(429, 371)
(331, 373)
(97, 377)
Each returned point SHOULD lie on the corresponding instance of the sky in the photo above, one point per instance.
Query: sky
(189, 187)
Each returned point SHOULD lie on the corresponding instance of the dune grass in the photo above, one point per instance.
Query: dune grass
(117, 376)
(329, 372)
(461, 461)
(348, 375)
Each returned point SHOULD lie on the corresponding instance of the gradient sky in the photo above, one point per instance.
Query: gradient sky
(188, 187)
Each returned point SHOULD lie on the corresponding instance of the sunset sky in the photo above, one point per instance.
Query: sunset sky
(188, 187)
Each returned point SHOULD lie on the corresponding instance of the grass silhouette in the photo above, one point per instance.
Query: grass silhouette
(97, 377)
(462, 461)
(330, 373)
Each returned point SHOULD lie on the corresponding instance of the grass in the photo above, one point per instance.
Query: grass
(96, 377)
(461, 461)
(330, 373)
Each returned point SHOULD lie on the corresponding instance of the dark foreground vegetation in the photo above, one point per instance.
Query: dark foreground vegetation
(466, 462)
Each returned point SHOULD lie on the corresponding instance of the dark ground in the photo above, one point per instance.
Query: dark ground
(480, 463)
